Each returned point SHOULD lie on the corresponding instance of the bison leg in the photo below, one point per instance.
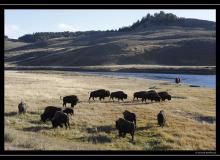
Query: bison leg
(68, 124)
(124, 134)
(65, 125)
(132, 135)
(119, 133)
(64, 104)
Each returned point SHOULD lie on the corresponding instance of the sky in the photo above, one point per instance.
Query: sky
(25, 21)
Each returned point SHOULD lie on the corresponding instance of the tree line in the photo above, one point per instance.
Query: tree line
(157, 18)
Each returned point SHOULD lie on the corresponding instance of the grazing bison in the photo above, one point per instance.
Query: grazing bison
(164, 96)
(129, 116)
(70, 99)
(68, 111)
(124, 127)
(141, 94)
(161, 118)
(59, 119)
(153, 96)
(49, 112)
(101, 93)
(120, 95)
(22, 108)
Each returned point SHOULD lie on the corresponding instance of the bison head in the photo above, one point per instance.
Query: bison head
(125, 96)
(169, 97)
(119, 122)
(126, 112)
(54, 123)
(107, 93)
(43, 117)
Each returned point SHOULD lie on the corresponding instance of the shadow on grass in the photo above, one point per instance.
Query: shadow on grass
(11, 114)
(135, 103)
(179, 97)
(35, 113)
(144, 128)
(36, 122)
(98, 101)
(105, 128)
(96, 138)
(206, 119)
(36, 128)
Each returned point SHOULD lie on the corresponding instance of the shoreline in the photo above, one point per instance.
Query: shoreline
(199, 70)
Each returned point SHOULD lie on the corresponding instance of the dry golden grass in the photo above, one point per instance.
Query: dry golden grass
(93, 125)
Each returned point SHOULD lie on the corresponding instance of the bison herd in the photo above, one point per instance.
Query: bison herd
(59, 116)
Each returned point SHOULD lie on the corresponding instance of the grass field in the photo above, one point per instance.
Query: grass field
(191, 114)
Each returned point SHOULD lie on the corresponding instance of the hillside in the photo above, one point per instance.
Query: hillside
(151, 41)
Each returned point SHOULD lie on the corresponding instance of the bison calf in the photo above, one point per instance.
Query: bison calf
(22, 108)
(68, 111)
(124, 127)
(161, 118)
(59, 119)
(49, 112)
(129, 116)
(120, 95)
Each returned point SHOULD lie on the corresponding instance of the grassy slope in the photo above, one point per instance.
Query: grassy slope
(93, 125)
(188, 46)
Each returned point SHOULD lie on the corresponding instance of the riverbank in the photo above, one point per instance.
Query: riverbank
(190, 114)
(200, 70)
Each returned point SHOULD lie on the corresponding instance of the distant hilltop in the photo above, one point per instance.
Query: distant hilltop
(161, 39)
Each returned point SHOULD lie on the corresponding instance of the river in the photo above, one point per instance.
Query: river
(198, 80)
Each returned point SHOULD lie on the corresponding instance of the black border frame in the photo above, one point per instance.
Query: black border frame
(110, 153)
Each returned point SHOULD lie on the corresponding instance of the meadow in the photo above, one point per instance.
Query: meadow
(191, 114)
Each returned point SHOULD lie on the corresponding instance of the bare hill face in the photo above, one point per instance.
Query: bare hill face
(155, 44)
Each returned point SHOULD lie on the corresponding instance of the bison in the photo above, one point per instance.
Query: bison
(101, 93)
(68, 111)
(153, 96)
(164, 96)
(59, 119)
(22, 108)
(49, 112)
(140, 94)
(124, 127)
(129, 116)
(73, 99)
(120, 95)
(161, 118)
